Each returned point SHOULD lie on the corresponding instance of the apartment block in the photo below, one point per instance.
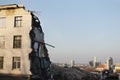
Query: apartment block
(15, 25)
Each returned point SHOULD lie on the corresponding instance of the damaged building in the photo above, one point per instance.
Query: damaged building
(18, 39)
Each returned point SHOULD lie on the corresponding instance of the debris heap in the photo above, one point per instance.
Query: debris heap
(39, 59)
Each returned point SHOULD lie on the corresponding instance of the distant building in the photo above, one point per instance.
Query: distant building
(117, 68)
(109, 63)
(94, 62)
(91, 63)
(15, 25)
(72, 64)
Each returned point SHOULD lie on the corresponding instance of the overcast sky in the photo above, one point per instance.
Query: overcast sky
(79, 29)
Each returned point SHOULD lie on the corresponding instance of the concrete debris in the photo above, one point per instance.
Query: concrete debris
(39, 59)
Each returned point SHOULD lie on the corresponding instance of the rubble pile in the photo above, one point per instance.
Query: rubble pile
(62, 73)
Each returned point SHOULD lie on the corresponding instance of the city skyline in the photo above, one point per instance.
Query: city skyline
(78, 29)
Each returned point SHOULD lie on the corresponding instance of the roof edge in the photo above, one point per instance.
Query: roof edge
(11, 6)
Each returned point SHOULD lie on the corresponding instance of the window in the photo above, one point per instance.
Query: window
(2, 42)
(18, 21)
(16, 63)
(17, 41)
(2, 22)
(1, 62)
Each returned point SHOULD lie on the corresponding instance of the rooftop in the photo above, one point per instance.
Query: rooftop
(11, 6)
(101, 66)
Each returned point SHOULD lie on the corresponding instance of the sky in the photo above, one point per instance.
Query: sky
(79, 29)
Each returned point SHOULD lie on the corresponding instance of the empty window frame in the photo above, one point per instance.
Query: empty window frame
(16, 63)
(17, 41)
(1, 62)
(2, 22)
(18, 21)
(2, 41)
